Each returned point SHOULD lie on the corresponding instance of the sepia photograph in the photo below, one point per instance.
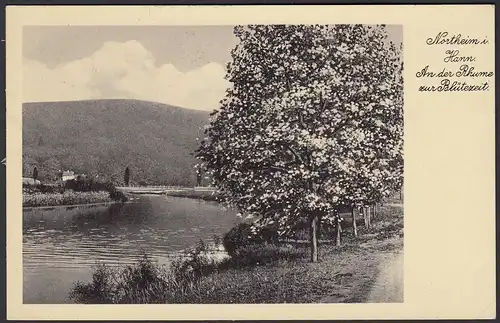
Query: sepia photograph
(250, 162)
(212, 164)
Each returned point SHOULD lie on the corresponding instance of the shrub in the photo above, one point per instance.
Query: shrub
(100, 290)
(146, 282)
(89, 184)
(195, 264)
(238, 237)
(143, 283)
(246, 234)
(267, 235)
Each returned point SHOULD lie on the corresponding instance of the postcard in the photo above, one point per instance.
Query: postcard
(250, 162)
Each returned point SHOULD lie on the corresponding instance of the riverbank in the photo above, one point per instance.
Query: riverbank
(65, 198)
(193, 193)
(346, 274)
(71, 206)
(265, 273)
(198, 193)
(71, 192)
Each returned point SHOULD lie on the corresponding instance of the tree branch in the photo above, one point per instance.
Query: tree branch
(297, 157)
(279, 168)
(321, 99)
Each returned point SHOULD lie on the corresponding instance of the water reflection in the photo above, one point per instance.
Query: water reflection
(60, 245)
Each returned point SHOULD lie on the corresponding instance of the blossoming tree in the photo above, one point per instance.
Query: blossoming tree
(313, 120)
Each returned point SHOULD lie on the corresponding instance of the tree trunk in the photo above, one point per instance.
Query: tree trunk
(374, 211)
(339, 231)
(314, 238)
(354, 225)
(319, 227)
(369, 216)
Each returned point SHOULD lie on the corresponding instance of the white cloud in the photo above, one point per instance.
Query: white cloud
(124, 70)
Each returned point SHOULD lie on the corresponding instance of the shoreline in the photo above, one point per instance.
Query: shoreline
(146, 193)
(195, 195)
(27, 208)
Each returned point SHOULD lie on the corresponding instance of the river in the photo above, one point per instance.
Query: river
(61, 245)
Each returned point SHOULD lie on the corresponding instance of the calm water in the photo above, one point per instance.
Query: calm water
(61, 245)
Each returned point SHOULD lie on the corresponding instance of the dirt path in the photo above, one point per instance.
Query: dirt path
(395, 204)
(388, 288)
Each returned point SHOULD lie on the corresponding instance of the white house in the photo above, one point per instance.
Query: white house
(67, 175)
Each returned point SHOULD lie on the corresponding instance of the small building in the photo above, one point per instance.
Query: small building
(67, 175)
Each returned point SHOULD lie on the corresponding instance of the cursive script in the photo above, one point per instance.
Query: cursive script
(443, 38)
(460, 72)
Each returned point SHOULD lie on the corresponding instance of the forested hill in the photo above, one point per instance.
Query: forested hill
(103, 137)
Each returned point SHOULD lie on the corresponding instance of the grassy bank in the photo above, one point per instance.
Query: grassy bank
(65, 198)
(344, 275)
(73, 192)
(258, 273)
(206, 195)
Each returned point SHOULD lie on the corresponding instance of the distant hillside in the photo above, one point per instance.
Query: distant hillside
(102, 137)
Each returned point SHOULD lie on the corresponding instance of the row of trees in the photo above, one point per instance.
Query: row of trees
(312, 124)
(52, 174)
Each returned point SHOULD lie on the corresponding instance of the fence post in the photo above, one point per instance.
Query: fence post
(366, 216)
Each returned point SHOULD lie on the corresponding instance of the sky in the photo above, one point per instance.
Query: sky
(177, 65)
